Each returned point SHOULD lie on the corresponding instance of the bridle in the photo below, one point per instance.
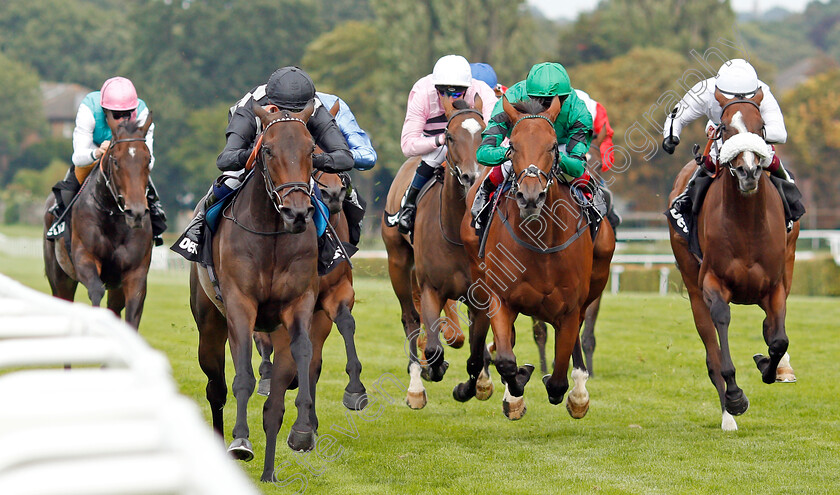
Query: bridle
(274, 192)
(119, 199)
(722, 127)
(532, 170)
(453, 168)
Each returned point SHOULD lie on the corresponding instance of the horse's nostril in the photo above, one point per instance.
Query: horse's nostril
(541, 197)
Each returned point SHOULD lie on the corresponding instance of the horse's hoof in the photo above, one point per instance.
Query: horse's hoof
(577, 410)
(784, 372)
(264, 387)
(514, 407)
(434, 373)
(416, 400)
(553, 399)
(727, 422)
(241, 449)
(737, 405)
(523, 374)
(301, 441)
(463, 392)
(763, 364)
(355, 401)
(483, 386)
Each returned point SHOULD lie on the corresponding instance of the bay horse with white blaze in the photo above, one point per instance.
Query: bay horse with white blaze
(747, 255)
(265, 256)
(553, 275)
(434, 269)
(111, 231)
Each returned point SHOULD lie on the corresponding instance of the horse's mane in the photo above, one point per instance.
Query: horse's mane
(529, 106)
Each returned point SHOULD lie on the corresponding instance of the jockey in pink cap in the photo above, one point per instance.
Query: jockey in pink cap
(92, 137)
(425, 122)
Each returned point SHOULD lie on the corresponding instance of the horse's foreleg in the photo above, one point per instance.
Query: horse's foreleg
(540, 337)
(134, 285)
(116, 301)
(88, 270)
(298, 321)
(282, 373)
(321, 326)
(566, 338)
(515, 378)
(588, 338)
(241, 314)
(775, 337)
(431, 305)
(716, 297)
(479, 384)
(399, 270)
(61, 284)
(452, 334)
(264, 348)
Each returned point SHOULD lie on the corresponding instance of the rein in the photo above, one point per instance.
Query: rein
(112, 188)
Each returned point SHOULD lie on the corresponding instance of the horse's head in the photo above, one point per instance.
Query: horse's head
(463, 136)
(533, 152)
(333, 186)
(744, 150)
(125, 167)
(285, 160)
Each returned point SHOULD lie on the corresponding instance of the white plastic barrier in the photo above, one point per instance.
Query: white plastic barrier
(115, 426)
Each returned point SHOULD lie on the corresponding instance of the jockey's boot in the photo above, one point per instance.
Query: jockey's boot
(777, 169)
(65, 190)
(407, 210)
(408, 207)
(480, 201)
(156, 212)
(682, 203)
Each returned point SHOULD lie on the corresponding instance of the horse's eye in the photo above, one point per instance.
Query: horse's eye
(267, 151)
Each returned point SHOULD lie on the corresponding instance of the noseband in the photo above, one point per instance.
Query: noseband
(272, 190)
(109, 184)
(722, 127)
(454, 169)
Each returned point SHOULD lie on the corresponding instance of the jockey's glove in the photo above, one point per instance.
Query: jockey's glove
(669, 144)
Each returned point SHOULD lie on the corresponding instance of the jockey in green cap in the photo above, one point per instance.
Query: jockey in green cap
(573, 127)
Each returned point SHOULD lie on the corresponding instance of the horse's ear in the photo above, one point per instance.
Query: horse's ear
(554, 110)
(478, 104)
(759, 95)
(112, 123)
(722, 100)
(447, 107)
(148, 124)
(334, 109)
(512, 113)
(259, 111)
(307, 112)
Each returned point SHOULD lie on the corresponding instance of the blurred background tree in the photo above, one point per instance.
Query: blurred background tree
(192, 59)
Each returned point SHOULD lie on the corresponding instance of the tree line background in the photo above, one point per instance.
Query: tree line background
(191, 59)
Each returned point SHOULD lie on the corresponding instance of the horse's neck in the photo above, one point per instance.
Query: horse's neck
(745, 210)
(453, 204)
(259, 204)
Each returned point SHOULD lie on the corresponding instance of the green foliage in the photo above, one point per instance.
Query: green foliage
(39, 182)
(812, 116)
(638, 89)
(65, 40)
(19, 97)
(334, 12)
(218, 49)
(617, 26)
(40, 155)
(194, 156)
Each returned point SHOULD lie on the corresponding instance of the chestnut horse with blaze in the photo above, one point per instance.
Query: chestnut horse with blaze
(553, 275)
(747, 254)
(265, 255)
(111, 231)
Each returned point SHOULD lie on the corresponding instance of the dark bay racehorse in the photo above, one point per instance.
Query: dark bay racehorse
(553, 276)
(336, 298)
(265, 256)
(436, 267)
(111, 232)
(747, 256)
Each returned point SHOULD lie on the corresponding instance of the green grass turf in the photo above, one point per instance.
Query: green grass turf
(653, 425)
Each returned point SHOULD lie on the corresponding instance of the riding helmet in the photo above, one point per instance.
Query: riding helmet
(290, 88)
(118, 94)
(452, 70)
(737, 76)
(547, 79)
